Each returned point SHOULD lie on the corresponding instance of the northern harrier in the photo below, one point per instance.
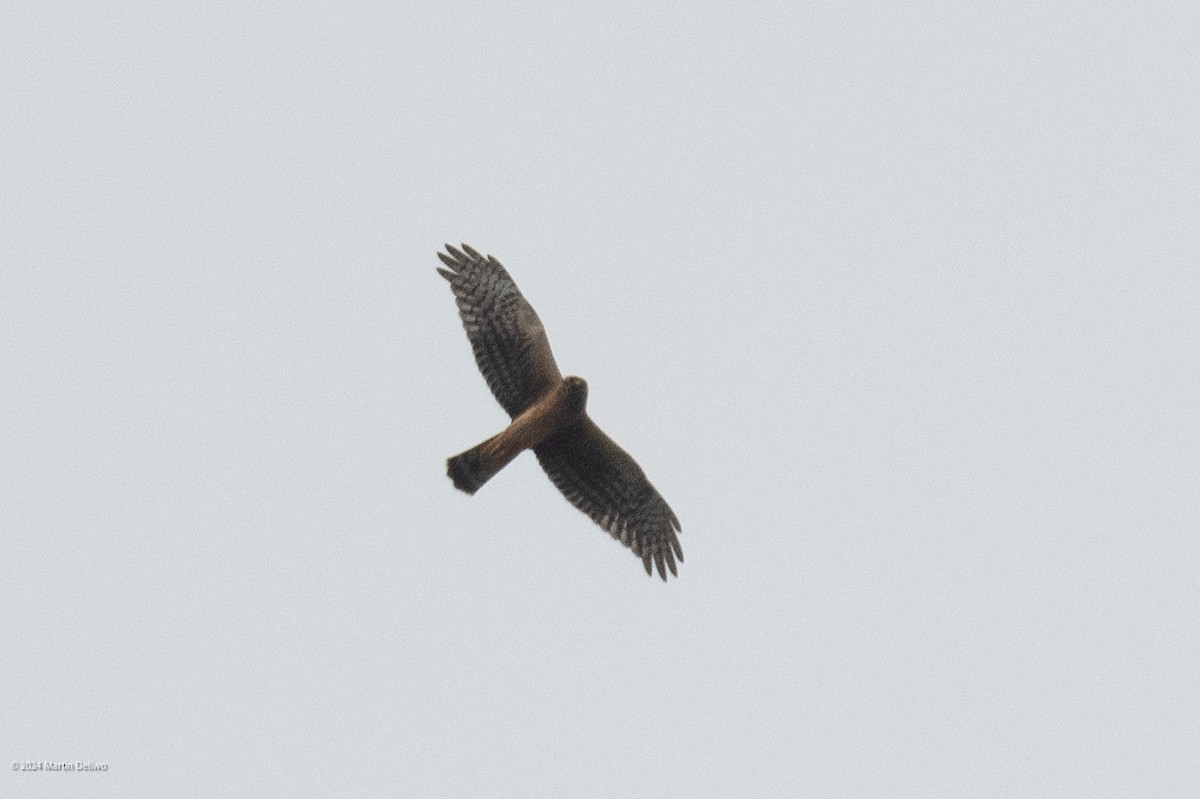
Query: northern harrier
(549, 416)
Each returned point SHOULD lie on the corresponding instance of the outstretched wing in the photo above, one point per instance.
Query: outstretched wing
(510, 344)
(603, 481)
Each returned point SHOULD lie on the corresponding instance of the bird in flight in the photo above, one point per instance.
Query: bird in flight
(549, 416)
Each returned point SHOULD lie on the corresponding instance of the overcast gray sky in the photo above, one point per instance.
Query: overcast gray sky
(895, 304)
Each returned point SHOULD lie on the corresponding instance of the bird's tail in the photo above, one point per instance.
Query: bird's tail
(471, 469)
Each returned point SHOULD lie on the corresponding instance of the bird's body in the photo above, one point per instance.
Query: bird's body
(549, 414)
(554, 410)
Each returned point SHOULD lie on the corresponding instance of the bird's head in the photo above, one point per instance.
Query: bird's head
(576, 390)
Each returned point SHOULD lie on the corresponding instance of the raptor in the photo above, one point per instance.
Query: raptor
(549, 416)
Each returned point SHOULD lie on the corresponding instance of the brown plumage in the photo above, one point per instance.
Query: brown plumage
(549, 414)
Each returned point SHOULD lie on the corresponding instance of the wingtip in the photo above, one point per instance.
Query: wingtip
(658, 562)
